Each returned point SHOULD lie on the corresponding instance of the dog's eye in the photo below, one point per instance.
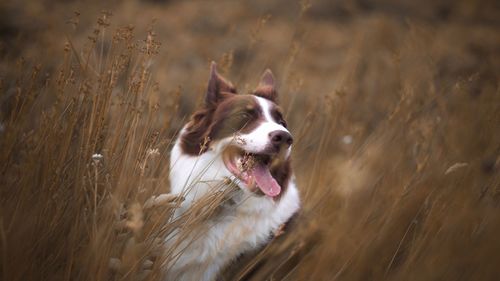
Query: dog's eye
(279, 118)
(282, 123)
(251, 111)
(246, 114)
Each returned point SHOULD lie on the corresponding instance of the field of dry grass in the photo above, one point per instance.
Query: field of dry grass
(394, 106)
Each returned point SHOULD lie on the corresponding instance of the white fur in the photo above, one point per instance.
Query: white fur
(238, 228)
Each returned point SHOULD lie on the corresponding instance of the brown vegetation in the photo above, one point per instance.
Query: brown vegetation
(394, 107)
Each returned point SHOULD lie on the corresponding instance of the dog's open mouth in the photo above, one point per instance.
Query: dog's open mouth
(252, 169)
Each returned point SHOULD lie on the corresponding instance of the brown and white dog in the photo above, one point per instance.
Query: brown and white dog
(243, 138)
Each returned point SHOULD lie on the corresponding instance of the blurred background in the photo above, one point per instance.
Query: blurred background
(395, 107)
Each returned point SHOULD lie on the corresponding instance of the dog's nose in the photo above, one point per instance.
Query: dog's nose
(279, 138)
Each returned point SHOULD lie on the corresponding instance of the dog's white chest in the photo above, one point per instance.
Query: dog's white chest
(244, 224)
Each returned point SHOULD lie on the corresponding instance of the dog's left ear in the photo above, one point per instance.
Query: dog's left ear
(217, 85)
(267, 87)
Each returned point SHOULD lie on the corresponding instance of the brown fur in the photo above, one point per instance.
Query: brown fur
(267, 92)
(193, 140)
(282, 173)
(234, 113)
(277, 115)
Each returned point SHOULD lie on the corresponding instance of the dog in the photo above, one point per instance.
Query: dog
(240, 141)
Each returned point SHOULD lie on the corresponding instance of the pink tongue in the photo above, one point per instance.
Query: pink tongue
(265, 180)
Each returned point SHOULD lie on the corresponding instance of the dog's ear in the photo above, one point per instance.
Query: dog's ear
(216, 86)
(267, 87)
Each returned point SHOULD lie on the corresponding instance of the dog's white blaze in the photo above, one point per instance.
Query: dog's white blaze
(266, 108)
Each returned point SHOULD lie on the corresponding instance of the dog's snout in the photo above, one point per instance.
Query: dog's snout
(279, 138)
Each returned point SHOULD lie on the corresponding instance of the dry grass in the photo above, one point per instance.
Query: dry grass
(395, 109)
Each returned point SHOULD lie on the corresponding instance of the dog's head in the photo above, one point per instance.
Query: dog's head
(247, 130)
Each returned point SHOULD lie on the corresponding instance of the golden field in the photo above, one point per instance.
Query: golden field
(394, 107)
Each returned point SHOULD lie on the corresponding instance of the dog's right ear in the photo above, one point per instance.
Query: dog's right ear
(216, 86)
(267, 87)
